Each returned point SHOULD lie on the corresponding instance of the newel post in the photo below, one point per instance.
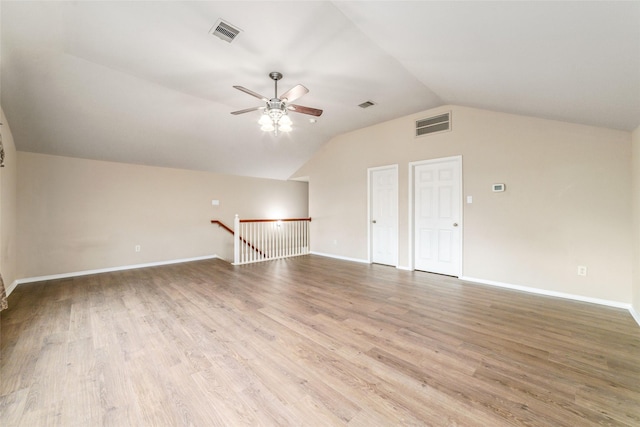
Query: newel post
(236, 240)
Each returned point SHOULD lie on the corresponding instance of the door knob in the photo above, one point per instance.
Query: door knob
(455, 224)
(374, 221)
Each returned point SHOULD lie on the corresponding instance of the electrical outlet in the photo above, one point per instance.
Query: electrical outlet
(582, 270)
(137, 248)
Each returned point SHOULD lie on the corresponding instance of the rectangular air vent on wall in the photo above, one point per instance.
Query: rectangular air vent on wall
(224, 31)
(439, 123)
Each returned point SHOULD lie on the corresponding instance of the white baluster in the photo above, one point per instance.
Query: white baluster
(245, 253)
(292, 233)
(306, 237)
(297, 239)
(249, 241)
(236, 240)
(262, 231)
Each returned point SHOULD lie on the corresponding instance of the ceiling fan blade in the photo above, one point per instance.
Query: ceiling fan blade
(252, 93)
(246, 110)
(294, 93)
(305, 110)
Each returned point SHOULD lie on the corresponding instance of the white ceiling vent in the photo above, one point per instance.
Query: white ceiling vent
(224, 31)
(433, 124)
(367, 104)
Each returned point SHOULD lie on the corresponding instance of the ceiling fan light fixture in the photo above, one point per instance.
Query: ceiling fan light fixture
(265, 119)
(275, 116)
(276, 120)
(268, 127)
(285, 128)
(285, 120)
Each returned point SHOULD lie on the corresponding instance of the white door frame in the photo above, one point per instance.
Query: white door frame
(370, 206)
(412, 166)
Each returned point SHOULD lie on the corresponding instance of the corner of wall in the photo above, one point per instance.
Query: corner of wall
(8, 207)
(635, 314)
(635, 195)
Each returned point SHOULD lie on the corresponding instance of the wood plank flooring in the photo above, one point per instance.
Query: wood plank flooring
(310, 341)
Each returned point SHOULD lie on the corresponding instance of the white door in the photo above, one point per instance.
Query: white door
(383, 214)
(437, 216)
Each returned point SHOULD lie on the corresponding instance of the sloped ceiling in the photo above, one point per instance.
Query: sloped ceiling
(145, 82)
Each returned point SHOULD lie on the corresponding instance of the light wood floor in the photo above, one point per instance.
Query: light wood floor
(310, 341)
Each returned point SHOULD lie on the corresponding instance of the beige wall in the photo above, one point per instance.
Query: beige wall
(636, 221)
(77, 215)
(8, 206)
(567, 201)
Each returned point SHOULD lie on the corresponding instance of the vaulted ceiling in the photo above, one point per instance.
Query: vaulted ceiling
(145, 82)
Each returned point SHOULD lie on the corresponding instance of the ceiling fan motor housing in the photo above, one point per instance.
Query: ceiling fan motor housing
(276, 108)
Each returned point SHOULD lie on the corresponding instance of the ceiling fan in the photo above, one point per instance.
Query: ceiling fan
(275, 117)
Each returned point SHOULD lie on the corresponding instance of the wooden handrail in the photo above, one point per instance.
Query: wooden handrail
(275, 220)
(223, 225)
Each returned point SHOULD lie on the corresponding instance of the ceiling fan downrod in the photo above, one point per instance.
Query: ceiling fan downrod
(275, 76)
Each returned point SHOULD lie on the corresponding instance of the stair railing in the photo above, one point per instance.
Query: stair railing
(257, 240)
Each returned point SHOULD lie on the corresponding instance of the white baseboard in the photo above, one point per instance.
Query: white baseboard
(104, 270)
(635, 315)
(362, 261)
(538, 291)
(581, 298)
(11, 287)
